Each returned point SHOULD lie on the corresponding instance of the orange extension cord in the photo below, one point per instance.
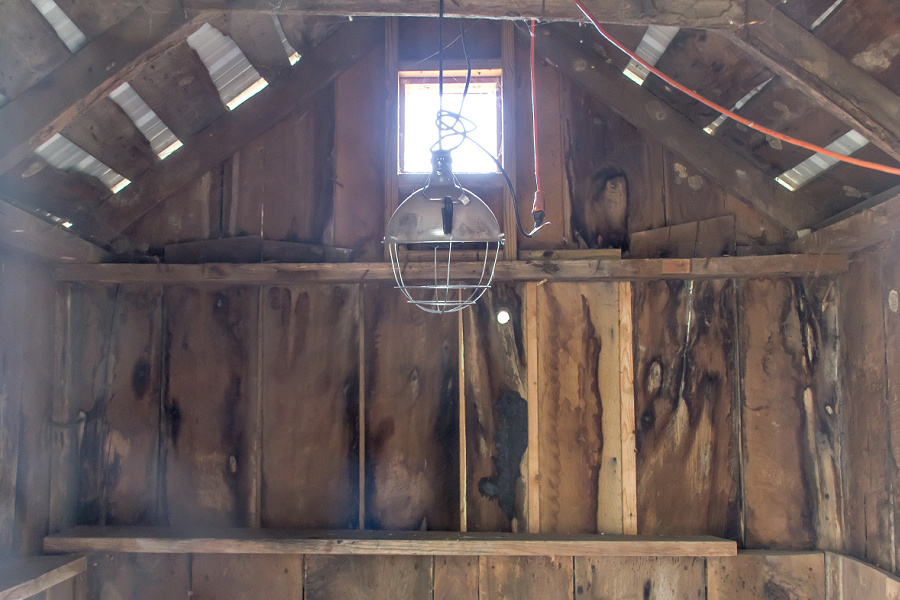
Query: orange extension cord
(784, 138)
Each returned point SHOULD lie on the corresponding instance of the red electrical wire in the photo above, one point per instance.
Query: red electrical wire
(537, 174)
(784, 138)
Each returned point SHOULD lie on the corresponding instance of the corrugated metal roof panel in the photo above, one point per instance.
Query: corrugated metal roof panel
(65, 28)
(64, 155)
(231, 72)
(654, 43)
(817, 164)
(161, 138)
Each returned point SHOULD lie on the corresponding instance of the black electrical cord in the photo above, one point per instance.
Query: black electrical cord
(452, 124)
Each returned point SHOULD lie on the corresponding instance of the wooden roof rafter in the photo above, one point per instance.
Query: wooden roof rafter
(791, 210)
(232, 131)
(712, 14)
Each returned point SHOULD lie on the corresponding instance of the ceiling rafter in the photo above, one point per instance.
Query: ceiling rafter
(793, 211)
(85, 78)
(830, 80)
(26, 232)
(220, 140)
(725, 14)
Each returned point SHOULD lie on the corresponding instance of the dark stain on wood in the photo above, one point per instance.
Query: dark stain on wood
(510, 442)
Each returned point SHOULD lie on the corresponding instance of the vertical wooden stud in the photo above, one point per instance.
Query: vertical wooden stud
(626, 392)
(62, 463)
(508, 61)
(391, 66)
(362, 405)
(531, 354)
(463, 513)
(255, 500)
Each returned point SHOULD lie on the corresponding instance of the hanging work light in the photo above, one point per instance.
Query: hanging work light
(443, 216)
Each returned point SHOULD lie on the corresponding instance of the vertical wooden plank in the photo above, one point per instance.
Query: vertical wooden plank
(359, 157)
(850, 579)
(391, 123)
(239, 576)
(690, 196)
(461, 421)
(455, 578)
(496, 411)
(868, 481)
(580, 424)
(412, 459)
(34, 283)
(368, 577)
(508, 62)
(550, 97)
(138, 576)
(209, 408)
(753, 575)
(361, 432)
(120, 443)
(310, 406)
(10, 400)
(687, 469)
(533, 484)
(64, 439)
(890, 302)
(526, 577)
(779, 341)
(639, 577)
(626, 393)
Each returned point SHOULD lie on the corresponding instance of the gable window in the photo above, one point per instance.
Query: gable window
(419, 104)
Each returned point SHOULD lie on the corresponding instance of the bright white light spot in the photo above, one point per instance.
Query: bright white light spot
(294, 58)
(636, 72)
(167, 151)
(67, 224)
(248, 93)
(121, 186)
(420, 132)
(503, 317)
(785, 184)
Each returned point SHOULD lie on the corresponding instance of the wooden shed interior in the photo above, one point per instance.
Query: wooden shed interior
(210, 389)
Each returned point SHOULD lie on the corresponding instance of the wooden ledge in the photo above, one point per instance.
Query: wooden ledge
(783, 265)
(24, 577)
(269, 541)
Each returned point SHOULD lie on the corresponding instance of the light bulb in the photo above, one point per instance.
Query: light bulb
(503, 317)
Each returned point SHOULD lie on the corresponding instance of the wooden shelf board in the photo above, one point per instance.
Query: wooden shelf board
(781, 265)
(268, 541)
(26, 576)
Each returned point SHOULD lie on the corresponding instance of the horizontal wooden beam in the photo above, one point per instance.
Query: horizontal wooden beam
(831, 81)
(870, 222)
(663, 123)
(88, 76)
(232, 131)
(268, 541)
(684, 13)
(24, 577)
(787, 265)
(25, 232)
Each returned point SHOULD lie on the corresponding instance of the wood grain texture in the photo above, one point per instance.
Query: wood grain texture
(579, 405)
(751, 575)
(412, 465)
(29, 47)
(310, 406)
(495, 363)
(535, 270)
(368, 577)
(24, 577)
(139, 576)
(526, 578)
(890, 269)
(211, 467)
(651, 577)
(687, 461)
(359, 159)
(22, 231)
(369, 542)
(238, 576)
(869, 481)
(789, 442)
(456, 578)
(849, 579)
(120, 443)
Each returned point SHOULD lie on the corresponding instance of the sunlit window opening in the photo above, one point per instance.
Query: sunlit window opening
(419, 103)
